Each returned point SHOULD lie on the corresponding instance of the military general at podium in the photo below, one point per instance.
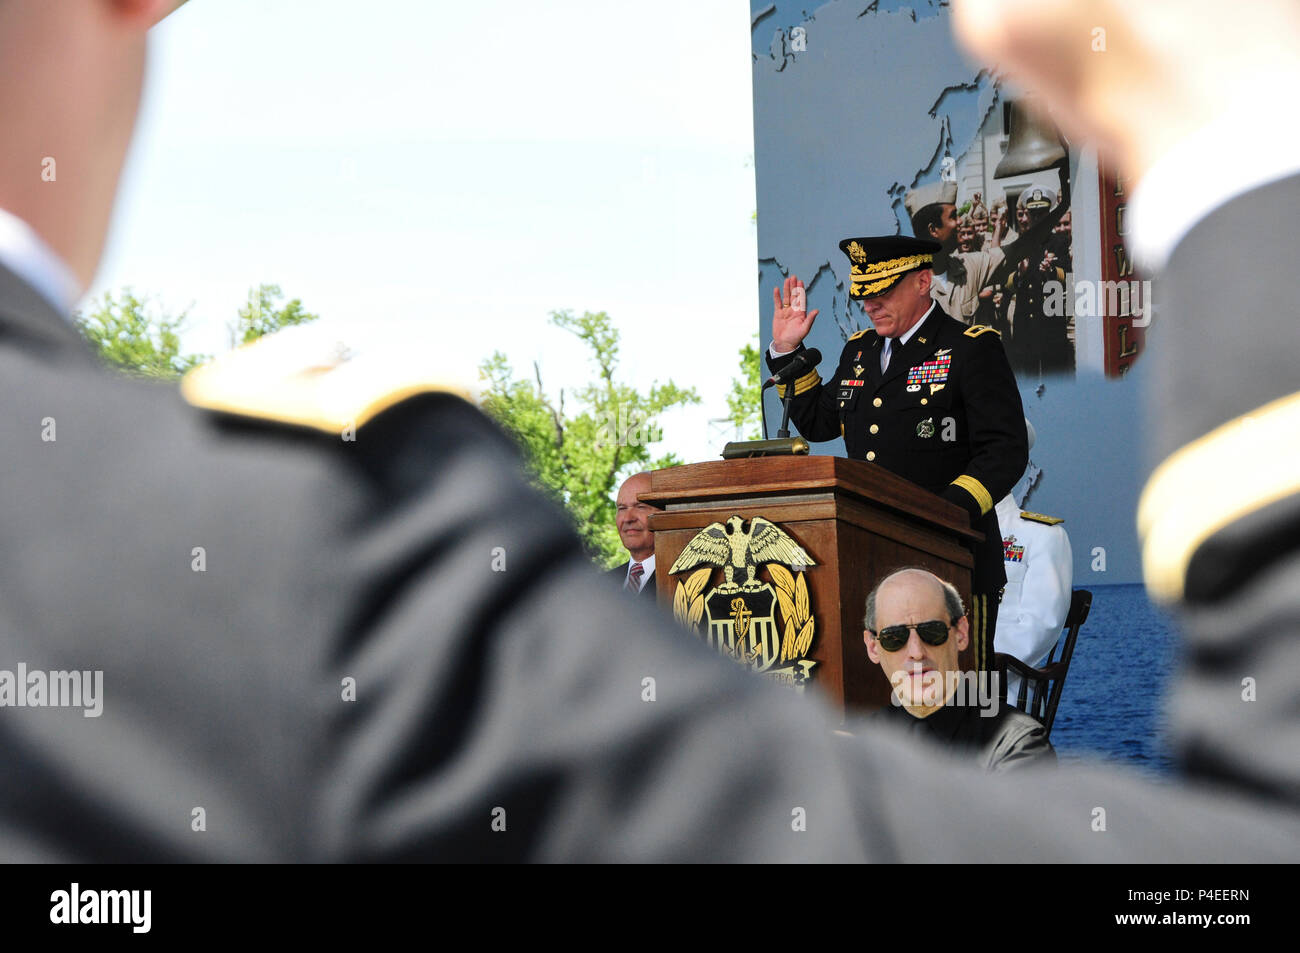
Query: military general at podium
(921, 394)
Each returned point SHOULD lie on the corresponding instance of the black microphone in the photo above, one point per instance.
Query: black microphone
(796, 368)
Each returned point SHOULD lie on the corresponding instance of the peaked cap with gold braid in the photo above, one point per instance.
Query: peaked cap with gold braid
(877, 264)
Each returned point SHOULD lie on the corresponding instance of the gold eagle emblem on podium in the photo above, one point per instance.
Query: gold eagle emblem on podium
(734, 549)
(741, 609)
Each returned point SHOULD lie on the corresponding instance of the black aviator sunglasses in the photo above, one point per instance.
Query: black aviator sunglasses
(934, 632)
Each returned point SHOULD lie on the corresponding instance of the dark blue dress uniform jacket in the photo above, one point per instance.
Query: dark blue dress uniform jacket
(946, 414)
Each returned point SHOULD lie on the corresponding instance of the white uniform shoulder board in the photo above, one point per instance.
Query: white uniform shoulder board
(306, 378)
(1040, 518)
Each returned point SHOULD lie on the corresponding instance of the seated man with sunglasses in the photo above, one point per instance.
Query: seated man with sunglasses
(915, 626)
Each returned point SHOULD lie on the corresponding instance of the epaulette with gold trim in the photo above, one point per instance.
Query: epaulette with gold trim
(1040, 518)
(854, 337)
(313, 380)
(975, 330)
(1226, 475)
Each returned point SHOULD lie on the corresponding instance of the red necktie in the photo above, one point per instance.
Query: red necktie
(634, 578)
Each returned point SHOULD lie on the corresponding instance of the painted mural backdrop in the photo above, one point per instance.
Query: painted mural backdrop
(858, 104)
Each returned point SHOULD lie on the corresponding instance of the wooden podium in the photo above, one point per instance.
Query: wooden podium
(854, 520)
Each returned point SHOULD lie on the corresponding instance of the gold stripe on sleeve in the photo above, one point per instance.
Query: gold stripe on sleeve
(802, 385)
(1231, 472)
(976, 489)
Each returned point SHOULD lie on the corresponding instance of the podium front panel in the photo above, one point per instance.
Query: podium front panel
(778, 581)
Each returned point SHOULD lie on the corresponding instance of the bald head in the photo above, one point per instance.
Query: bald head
(71, 74)
(636, 483)
(912, 583)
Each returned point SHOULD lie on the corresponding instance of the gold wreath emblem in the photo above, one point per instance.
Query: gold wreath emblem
(737, 551)
(688, 600)
(792, 593)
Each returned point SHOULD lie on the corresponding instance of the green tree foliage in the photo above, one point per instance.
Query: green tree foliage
(135, 338)
(260, 316)
(126, 333)
(580, 453)
(744, 403)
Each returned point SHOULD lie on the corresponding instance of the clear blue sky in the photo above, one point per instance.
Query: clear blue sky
(456, 171)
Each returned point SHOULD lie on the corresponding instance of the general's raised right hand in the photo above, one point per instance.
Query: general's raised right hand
(790, 327)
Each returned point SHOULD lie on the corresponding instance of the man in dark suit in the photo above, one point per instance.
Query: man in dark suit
(921, 394)
(636, 575)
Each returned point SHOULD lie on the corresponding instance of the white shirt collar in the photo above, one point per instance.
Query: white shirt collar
(904, 338)
(1189, 181)
(25, 253)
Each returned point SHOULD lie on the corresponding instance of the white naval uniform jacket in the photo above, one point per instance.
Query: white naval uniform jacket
(1036, 600)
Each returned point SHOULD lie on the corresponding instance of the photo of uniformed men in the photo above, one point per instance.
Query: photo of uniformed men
(996, 267)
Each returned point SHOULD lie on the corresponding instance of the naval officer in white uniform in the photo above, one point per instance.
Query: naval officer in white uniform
(1039, 565)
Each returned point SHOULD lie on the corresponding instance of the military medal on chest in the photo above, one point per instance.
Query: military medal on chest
(933, 371)
(1011, 552)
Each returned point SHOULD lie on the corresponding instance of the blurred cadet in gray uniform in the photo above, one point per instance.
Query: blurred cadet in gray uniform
(1040, 570)
(914, 628)
(321, 613)
(332, 621)
(1178, 95)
